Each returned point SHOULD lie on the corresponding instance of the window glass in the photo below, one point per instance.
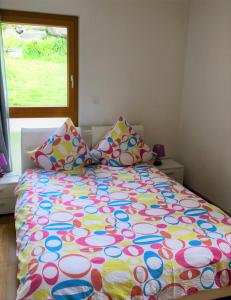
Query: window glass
(36, 65)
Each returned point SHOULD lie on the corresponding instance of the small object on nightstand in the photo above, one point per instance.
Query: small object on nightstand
(7, 198)
(159, 150)
(3, 163)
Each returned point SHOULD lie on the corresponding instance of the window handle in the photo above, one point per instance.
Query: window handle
(72, 81)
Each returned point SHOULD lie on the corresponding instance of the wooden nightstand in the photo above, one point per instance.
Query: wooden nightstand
(7, 198)
(172, 169)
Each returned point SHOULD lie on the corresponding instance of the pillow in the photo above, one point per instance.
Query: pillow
(65, 150)
(121, 146)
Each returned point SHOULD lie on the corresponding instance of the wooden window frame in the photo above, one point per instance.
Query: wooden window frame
(71, 23)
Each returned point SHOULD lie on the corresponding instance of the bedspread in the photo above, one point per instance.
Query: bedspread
(117, 233)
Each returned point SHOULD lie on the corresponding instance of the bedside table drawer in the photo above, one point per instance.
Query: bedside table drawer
(7, 198)
(4, 205)
(7, 205)
(176, 174)
(172, 169)
(7, 190)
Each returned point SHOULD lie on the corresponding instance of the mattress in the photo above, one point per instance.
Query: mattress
(117, 233)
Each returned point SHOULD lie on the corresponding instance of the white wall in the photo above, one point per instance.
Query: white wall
(205, 129)
(131, 56)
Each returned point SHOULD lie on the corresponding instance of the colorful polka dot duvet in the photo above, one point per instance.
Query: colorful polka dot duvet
(117, 233)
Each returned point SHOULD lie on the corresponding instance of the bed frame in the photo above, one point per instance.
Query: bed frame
(33, 137)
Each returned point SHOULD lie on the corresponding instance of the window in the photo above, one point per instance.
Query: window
(41, 54)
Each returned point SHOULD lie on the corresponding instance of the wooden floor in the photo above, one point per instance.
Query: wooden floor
(8, 261)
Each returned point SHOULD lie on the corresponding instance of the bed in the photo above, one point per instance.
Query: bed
(117, 233)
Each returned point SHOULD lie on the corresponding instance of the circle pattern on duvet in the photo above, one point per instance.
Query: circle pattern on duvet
(62, 216)
(223, 278)
(144, 228)
(53, 243)
(80, 289)
(117, 230)
(50, 273)
(95, 241)
(74, 265)
(207, 278)
(113, 251)
(198, 257)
